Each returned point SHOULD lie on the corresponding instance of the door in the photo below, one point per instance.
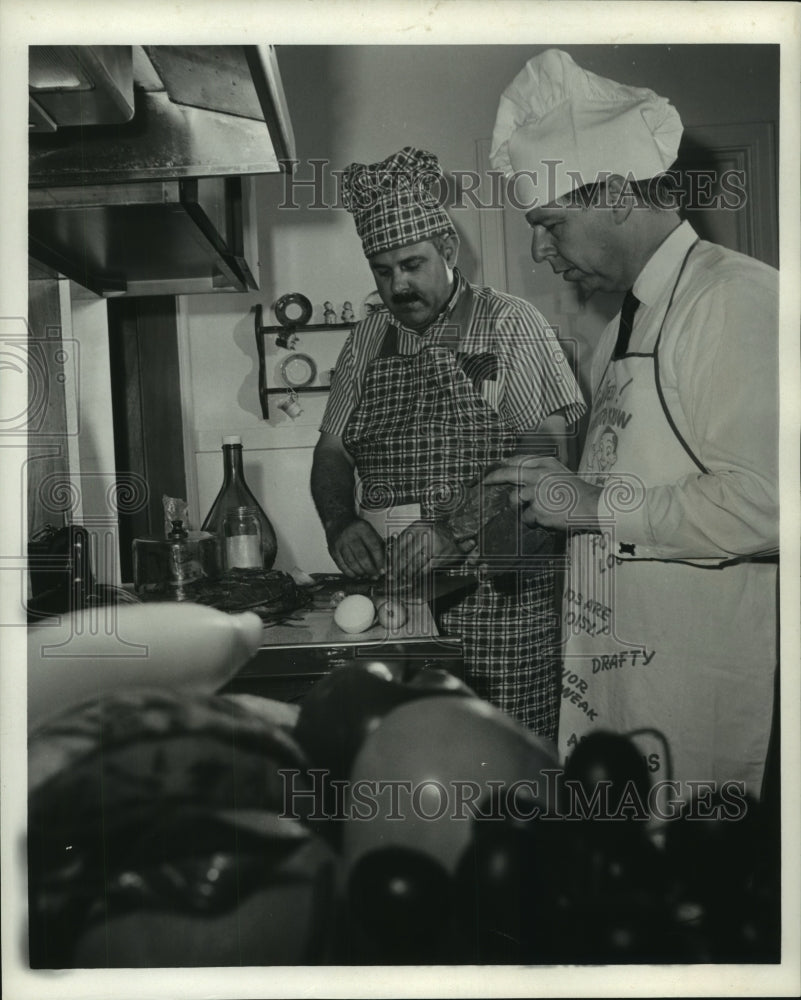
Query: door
(148, 423)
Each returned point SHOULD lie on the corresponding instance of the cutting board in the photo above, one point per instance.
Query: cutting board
(316, 626)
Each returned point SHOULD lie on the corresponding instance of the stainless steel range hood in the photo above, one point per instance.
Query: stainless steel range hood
(198, 111)
(79, 85)
(142, 164)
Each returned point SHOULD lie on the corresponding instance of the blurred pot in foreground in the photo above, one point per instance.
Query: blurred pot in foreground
(95, 651)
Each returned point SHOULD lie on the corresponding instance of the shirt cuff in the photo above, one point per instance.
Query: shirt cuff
(331, 426)
(622, 511)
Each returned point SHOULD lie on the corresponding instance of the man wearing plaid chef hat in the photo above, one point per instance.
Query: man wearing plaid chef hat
(429, 392)
(670, 604)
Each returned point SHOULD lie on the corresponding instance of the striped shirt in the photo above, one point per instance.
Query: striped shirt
(533, 377)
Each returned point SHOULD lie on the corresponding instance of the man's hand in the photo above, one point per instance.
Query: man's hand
(419, 549)
(548, 493)
(357, 549)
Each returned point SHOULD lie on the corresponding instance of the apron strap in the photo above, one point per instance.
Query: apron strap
(459, 321)
(657, 379)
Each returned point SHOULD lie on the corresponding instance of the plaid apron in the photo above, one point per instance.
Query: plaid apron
(422, 433)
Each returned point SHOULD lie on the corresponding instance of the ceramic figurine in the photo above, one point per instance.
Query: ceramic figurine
(328, 313)
(347, 313)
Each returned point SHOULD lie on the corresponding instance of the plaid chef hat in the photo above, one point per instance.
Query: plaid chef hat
(396, 202)
(573, 128)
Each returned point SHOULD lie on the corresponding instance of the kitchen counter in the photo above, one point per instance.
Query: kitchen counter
(297, 652)
(316, 627)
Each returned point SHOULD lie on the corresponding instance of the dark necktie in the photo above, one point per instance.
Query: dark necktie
(630, 303)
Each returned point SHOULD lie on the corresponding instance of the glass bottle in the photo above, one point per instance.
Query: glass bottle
(242, 539)
(235, 493)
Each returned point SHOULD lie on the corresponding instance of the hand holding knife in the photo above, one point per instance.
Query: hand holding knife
(548, 493)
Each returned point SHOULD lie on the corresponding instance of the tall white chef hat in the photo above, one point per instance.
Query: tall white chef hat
(573, 128)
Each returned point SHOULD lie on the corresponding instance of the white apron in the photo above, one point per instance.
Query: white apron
(680, 653)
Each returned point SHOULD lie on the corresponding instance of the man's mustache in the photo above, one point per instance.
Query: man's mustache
(405, 299)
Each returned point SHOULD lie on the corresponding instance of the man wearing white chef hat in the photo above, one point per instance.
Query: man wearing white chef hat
(428, 393)
(670, 605)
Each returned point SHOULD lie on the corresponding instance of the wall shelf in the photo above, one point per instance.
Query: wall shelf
(286, 338)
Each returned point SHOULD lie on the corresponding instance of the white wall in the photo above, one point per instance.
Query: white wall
(220, 366)
(362, 103)
(93, 445)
